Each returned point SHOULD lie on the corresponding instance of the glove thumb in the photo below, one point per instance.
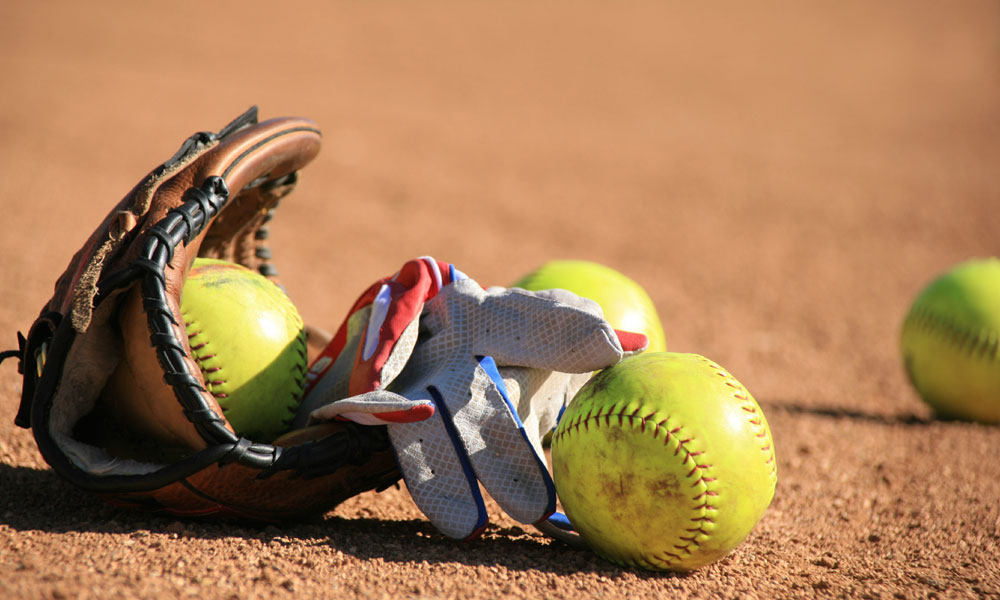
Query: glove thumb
(375, 408)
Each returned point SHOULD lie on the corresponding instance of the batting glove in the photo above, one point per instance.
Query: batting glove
(467, 382)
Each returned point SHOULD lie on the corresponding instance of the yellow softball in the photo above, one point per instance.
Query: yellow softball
(249, 340)
(950, 340)
(664, 462)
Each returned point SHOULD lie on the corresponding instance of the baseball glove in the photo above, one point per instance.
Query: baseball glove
(110, 390)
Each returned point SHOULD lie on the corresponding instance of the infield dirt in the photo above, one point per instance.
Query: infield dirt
(783, 178)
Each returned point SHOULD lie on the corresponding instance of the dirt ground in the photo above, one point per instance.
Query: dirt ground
(783, 178)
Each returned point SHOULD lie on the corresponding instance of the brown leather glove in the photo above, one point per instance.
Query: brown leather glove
(116, 403)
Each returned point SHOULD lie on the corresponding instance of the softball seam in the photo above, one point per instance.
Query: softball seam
(300, 377)
(214, 372)
(206, 372)
(983, 344)
(702, 497)
(754, 415)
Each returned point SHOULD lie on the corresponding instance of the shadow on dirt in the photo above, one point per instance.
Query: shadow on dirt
(34, 499)
(799, 408)
(515, 548)
(38, 499)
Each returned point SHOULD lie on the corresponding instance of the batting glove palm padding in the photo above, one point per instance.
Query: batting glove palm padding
(472, 379)
(116, 403)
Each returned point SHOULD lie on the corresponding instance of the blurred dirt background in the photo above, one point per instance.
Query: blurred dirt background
(783, 178)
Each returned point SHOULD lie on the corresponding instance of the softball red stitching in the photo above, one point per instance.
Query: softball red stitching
(702, 497)
(199, 359)
(749, 406)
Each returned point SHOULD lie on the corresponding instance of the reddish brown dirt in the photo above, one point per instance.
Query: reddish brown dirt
(782, 179)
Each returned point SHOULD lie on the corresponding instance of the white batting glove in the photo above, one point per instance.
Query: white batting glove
(486, 376)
